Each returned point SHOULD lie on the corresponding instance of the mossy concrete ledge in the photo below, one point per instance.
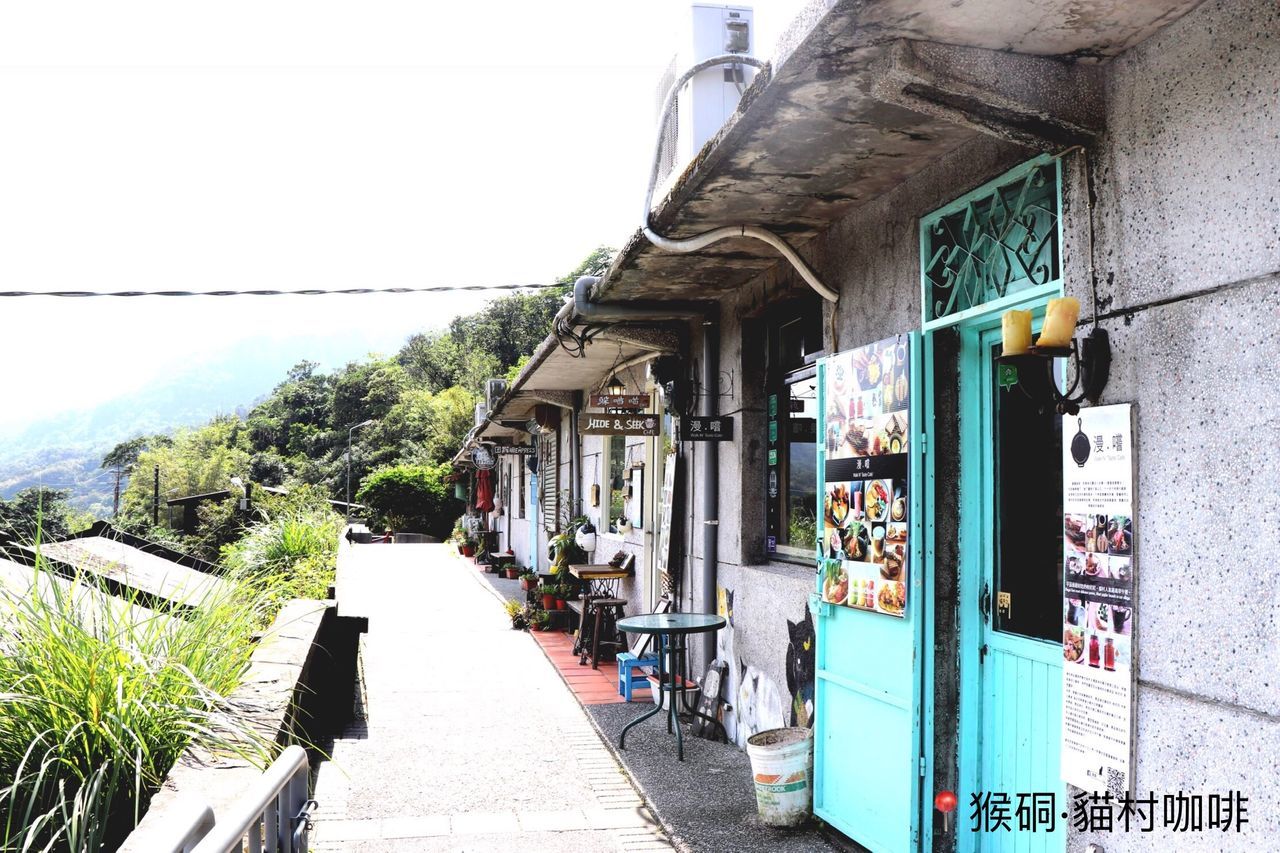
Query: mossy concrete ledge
(274, 696)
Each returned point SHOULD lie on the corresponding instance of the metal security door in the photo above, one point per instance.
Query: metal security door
(1011, 693)
(868, 760)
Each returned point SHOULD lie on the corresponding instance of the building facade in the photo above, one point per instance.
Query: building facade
(939, 167)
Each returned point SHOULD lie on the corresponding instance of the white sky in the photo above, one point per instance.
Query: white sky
(181, 145)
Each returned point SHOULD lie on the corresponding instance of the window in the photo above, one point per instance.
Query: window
(615, 460)
(791, 395)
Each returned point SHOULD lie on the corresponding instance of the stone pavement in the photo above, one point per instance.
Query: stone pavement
(470, 740)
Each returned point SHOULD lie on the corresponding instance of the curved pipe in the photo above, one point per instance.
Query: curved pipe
(693, 244)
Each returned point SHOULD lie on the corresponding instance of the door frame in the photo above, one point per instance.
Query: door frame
(976, 463)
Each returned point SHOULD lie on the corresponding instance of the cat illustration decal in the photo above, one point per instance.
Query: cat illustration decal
(801, 668)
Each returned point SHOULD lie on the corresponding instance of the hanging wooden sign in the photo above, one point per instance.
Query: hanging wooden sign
(620, 401)
(706, 429)
(598, 423)
(517, 450)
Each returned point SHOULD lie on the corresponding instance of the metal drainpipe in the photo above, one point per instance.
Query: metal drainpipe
(575, 458)
(709, 482)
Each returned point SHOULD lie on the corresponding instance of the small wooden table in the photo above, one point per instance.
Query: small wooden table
(602, 589)
(602, 581)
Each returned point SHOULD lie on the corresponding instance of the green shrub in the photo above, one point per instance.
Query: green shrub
(409, 498)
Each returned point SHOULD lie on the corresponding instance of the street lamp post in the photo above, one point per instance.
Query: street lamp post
(351, 432)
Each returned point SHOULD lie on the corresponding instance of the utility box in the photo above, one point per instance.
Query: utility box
(708, 100)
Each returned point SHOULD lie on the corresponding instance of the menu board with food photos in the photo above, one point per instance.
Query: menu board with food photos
(865, 494)
(1098, 612)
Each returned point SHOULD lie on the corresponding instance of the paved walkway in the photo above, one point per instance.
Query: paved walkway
(470, 741)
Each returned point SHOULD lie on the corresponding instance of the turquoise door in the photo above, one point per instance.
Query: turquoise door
(1011, 607)
(868, 762)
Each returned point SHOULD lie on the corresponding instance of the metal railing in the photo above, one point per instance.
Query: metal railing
(273, 816)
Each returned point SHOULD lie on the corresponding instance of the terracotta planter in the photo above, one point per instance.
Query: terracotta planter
(548, 602)
(468, 551)
(512, 574)
(526, 584)
(560, 605)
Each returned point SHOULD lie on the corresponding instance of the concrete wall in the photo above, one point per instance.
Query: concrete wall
(1188, 209)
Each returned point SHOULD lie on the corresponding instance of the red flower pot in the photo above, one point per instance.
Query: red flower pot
(560, 605)
(468, 551)
(548, 602)
(512, 574)
(526, 584)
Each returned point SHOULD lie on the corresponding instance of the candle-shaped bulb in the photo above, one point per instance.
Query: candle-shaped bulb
(1059, 322)
(1015, 327)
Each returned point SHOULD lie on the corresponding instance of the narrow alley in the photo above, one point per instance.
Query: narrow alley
(464, 723)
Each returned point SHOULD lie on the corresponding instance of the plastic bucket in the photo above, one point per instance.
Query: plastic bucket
(782, 766)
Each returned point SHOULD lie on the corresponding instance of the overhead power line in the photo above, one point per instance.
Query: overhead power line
(348, 291)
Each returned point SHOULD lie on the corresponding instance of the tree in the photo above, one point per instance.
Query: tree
(268, 468)
(596, 263)
(37, 513)
(410, 497)
(195, 461)
(120, 460)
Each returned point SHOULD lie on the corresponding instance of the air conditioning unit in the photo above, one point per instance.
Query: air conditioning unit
(708, 100)
(493, 391)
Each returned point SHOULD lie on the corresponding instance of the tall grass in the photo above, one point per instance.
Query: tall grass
(99, 698)
(291, 553)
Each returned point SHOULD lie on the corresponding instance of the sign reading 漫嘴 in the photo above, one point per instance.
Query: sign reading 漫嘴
(620, 401)
(596, 423)
(1098, 608)
(706, 429)
(515, 450)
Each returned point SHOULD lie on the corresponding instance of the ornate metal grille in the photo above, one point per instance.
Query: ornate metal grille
(998, 241)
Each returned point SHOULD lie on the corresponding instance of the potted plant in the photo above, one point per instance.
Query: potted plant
(528, 579)
(513, 571)
(468, 547)
(516, 612)
(585, 535)
(541, 620)
(562, 595)
(548, 595)
(564, 551)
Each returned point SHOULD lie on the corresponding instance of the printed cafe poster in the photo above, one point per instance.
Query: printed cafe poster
(865, 502)
(1098, 601)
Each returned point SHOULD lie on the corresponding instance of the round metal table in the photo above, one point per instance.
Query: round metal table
(671, 630)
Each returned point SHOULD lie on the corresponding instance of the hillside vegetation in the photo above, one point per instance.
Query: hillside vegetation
(420, 403)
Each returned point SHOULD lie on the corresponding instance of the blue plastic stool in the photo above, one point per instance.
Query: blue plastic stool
(631, 672)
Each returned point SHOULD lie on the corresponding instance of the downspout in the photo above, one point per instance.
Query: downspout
(709, 482)
(575, 458)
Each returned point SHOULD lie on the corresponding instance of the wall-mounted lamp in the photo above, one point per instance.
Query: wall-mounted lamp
(1090, 357)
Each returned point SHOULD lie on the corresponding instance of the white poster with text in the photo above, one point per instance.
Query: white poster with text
(1099, 615)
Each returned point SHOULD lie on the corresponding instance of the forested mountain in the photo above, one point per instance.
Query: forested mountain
(65, 451)
(419, 403)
